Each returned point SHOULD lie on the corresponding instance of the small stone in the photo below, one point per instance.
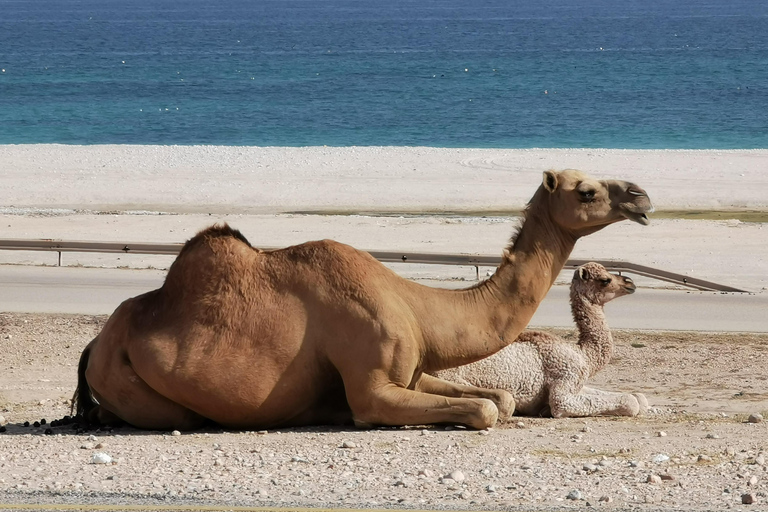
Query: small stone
(100, 458)
(520, 424)
(87, 446)
(730, 452)
(2, 420)
(101, 446)
(713, 436)
(752, 481)
(348, 444)
(175, 433)
(755, 417)
(704, 458)
(659, 458)
(661, 433)
(574, 495)
(667, 477)
(456, 476)
(465, 495)
(748, 498)
(653, 479)
(425, 473)
(606, 499)
(760, 460)
(589, 468)
(490, 488)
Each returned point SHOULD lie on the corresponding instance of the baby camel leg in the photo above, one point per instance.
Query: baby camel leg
(436, 386)
(641, 400)
(565, 403)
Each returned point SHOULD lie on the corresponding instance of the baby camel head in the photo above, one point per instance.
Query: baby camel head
(581, 205)
(593, 283)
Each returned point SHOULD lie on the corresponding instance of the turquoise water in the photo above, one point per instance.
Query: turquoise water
(497, 73)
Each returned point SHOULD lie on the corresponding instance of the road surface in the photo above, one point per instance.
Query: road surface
(78, 290)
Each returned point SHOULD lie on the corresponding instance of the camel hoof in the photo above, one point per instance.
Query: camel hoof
(488, 414)
(642, 402)
(362, 425)
(505, 403)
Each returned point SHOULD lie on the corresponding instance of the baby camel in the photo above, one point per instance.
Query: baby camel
(543, 371)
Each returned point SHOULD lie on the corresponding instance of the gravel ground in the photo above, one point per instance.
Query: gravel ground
(696, 449)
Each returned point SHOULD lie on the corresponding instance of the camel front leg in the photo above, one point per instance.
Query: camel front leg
(390, 404)
(504, 401)
(641, 400)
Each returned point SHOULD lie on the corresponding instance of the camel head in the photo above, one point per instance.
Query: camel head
(595, 284)
(581, 205)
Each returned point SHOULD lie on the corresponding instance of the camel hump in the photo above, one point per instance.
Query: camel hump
(213, 232)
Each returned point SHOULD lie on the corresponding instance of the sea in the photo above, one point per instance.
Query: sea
(662, 74)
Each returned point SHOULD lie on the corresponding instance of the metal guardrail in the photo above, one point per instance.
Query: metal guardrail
(470, 260)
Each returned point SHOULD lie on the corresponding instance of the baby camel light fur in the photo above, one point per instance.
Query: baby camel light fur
(546, 374)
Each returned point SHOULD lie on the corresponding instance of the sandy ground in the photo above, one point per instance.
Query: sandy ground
(702, 386)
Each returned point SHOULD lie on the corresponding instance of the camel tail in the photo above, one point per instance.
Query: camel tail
(82, 401)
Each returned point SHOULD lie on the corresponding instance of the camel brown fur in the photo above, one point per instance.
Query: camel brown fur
(323, 333)
(546, 374)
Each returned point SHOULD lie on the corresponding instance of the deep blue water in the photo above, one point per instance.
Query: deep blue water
(454, 73)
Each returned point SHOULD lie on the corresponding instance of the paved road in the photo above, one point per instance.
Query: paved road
(99, 291)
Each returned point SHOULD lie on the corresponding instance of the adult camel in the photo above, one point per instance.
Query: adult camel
(323, 333)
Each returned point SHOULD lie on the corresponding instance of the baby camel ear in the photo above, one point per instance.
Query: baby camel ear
(550, 181)
(582, 272)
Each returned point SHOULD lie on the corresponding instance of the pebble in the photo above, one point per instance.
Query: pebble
(100, 458)
(704, 458)
(653, 479)
(175, 433)
(760, 460)
(755, 417)
(589, 468)
(465, 495)
(713, 436)
(490, 488)
(659, 458)
(752, 481)
(747, 498)
(520, 424)
(348, 444)
(661, 433)
(606, 499)
(456, 476)
(574, 495)
(667, 477)
(3, 420)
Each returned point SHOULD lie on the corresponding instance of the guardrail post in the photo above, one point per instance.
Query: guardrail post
(59, 257)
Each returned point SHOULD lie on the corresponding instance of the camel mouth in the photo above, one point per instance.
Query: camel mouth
(640, 218)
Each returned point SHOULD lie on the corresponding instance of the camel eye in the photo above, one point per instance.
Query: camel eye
(586, 196)
(605, 282)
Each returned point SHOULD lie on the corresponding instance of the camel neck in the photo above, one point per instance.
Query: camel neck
(482, 320)
(595, 339)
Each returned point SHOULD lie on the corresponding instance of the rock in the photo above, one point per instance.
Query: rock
(100, 458)
(490, 488)
(3, 421)
(605, 499)
(520, 424)
(589, 468)
(752, 481)
(175, 433)
(661, 433)
(425, 473)
(574, 495)
(755, 417)
(348, 444)
(704, 458)
(653, 479)
(659, 458)
(667, 477)
(713, 436)
(760, 460)
(456, 476)
(465, 495)
(747, 498)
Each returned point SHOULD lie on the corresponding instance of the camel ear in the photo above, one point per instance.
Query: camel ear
(582, 273)
(550, 181)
